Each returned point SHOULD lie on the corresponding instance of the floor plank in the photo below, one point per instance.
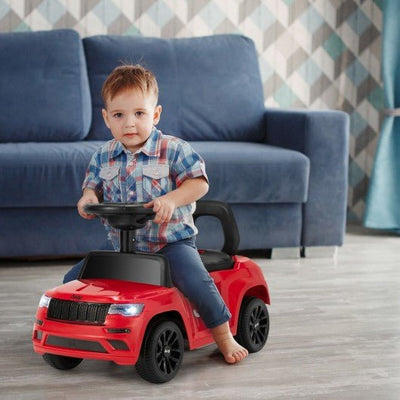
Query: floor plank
(335, 334)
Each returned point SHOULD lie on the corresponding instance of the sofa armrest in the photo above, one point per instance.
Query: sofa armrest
(323, 137)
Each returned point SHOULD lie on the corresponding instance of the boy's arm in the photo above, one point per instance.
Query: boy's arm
(91, 185)
(189, 191)
(89, 197)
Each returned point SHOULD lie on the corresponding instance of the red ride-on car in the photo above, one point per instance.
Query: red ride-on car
(124, 307)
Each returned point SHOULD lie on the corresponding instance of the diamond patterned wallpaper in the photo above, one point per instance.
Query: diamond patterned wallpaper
(313, 53)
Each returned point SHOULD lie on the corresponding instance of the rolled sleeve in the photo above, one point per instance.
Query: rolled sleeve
(92, 178)
(189, 165)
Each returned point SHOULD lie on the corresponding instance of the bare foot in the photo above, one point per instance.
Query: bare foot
(232, 351)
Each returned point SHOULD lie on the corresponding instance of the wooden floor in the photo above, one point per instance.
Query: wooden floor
(335, 334)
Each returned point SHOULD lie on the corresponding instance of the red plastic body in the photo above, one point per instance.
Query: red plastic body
(245, 279)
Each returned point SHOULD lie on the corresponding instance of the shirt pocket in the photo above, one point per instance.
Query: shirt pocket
(111, 187)
(156, 181)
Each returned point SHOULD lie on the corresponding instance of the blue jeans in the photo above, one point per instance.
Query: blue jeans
(191, 278)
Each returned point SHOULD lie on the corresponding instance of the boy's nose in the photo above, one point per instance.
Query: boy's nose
(130, 122)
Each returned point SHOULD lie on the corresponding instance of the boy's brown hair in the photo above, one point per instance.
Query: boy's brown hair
(129, 77)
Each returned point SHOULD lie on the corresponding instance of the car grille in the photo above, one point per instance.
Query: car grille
(87, 313)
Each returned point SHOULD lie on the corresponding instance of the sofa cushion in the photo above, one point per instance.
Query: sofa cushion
(51, 174)
(254, 172)
(260, 225)
(210, 87)
(43, 174)
(44, 87)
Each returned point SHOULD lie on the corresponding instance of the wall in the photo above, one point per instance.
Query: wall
(313, 53)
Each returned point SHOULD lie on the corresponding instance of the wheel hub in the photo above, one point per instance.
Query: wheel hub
(257, 325)
(167, 351)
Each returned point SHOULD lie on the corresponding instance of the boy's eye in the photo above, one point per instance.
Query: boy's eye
(139, 113)
(117, 115)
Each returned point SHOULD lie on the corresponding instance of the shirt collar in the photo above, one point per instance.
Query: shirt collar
(151, 148)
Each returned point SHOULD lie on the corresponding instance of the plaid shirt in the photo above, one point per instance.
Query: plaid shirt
(161, 165)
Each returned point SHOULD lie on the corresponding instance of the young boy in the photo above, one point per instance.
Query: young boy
(142, 165)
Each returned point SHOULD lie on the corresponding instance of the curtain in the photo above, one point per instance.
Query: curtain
(383, 199)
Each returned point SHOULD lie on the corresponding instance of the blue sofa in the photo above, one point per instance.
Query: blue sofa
(284, 172)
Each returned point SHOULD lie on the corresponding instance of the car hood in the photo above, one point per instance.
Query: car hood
(106, 290)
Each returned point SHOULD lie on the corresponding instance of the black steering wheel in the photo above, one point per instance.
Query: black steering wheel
(124, 216)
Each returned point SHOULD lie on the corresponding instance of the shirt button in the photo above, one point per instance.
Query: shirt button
(131, 193)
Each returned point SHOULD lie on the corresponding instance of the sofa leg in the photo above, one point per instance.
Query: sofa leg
(319, 252)
(285, 253)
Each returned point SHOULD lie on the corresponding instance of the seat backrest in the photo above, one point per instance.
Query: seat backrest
(210, 87)
(223, 212)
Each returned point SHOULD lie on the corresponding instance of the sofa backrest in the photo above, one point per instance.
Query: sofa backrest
(44, 91)
(210, 87)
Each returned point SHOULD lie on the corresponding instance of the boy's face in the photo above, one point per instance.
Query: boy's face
(130, 116)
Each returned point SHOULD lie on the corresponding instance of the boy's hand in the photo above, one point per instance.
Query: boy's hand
(163, 207)
(188, 192)
(87, 198)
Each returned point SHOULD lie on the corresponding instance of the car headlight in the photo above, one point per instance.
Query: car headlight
(127, 310)
(44, 301)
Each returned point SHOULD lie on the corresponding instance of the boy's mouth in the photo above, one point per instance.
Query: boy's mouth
(130, 135)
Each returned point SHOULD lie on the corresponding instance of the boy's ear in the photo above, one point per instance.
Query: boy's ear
(157, 115)
(105, 117)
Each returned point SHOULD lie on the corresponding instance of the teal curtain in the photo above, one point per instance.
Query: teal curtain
(383, 199)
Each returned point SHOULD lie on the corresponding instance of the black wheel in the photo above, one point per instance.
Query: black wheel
(253, 327)
(162, 352)
(61, 362)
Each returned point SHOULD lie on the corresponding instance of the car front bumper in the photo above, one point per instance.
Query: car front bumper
(118, 340)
